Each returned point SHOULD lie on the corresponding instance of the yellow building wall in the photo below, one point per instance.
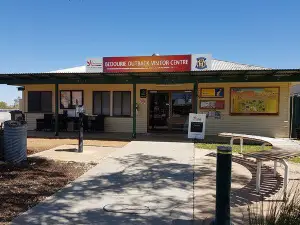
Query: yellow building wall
(112, 124)
(273, 126)
(264, 125)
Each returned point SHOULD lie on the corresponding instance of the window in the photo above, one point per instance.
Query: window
(101, 103)
(39, 101)
(122, 103)
(69, 99)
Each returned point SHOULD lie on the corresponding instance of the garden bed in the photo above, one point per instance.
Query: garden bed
(24, 186)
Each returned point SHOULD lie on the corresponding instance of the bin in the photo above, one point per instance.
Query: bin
(16, 115)
(15, 141)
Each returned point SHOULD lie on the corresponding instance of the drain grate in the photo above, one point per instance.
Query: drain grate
(126, 208)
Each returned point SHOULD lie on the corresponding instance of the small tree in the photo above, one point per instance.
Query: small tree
(16, 102)
(3, 105)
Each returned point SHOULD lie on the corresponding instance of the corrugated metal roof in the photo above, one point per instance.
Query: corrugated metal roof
(216, 65)
(295, 90)
(225, 65)
(78, 69)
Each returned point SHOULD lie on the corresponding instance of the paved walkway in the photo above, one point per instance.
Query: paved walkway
(153, 180)
(147, 183)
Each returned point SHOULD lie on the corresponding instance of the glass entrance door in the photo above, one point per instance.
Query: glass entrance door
(181, 106)
(159, 110)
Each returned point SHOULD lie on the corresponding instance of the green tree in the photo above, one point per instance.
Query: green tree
(3, 105)
(16, 102)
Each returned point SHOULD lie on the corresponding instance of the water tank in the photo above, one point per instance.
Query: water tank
(1, 144)
(15, 141)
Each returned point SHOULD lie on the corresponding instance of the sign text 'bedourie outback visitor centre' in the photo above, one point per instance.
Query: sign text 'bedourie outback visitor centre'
(144, 94)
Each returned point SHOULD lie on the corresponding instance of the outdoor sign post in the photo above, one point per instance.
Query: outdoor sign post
(223, 185)
(80, 142)
(80, 136)
(196, 129)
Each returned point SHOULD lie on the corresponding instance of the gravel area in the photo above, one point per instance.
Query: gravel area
(25, 185)
(35, 145)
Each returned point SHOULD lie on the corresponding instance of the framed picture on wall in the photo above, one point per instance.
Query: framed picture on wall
(69, 99)
(143, 93)
(212, 104)
(212, 92)
(254, 101)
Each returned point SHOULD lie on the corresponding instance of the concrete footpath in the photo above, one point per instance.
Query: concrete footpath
(141, 183)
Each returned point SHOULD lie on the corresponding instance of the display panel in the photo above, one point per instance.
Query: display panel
(257, 101)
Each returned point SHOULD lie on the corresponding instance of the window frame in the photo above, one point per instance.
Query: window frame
(71, 98)
(40, 103)
(113, 106)
(94, 93)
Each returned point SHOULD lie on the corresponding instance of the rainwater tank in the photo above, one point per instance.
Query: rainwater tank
(15, 141)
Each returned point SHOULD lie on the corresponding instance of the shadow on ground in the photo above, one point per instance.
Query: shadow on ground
(161, 184)
(66, 150)
(247, 195)
(142, 180)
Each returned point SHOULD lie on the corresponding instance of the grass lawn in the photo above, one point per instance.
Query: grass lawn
(236, 149)
(295, 160)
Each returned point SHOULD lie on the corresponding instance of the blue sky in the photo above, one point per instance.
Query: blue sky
(45, 35)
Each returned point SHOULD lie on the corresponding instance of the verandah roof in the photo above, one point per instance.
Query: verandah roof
(209, 76)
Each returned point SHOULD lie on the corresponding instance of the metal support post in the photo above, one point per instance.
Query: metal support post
(286, 175)
(134, 111)
(196, 97)
(258, 175)
(275, 168)
(80, 137)
(56, 110)
(241, 144)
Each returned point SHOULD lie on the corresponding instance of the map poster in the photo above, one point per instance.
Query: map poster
(256, 101)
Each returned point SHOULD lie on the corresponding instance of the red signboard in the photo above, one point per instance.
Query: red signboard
(169, 63)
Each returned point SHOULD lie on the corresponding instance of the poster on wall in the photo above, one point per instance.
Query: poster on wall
(212, 114)
(143, 93)
(77, 98)
(212, 104)
(256, 101)
(212, 92)
(65, 99)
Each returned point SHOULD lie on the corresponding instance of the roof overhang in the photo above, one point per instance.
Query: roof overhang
(211, 76)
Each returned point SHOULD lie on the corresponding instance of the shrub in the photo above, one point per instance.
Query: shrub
(277, 211)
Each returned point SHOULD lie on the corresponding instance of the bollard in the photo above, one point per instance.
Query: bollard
(80, 138)
(223, 185)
